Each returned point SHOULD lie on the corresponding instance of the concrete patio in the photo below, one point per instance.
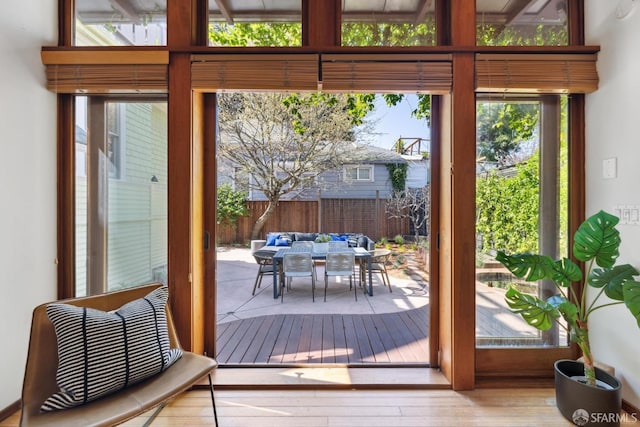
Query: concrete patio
(237, 271)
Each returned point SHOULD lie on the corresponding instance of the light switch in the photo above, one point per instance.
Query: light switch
(609, 168)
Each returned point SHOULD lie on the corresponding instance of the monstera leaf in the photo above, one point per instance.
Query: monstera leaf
(597, 238)
(537, 313)
(631, 291)
(612, 279)
(531, 267)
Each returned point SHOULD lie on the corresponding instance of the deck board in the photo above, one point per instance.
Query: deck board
(352, 339)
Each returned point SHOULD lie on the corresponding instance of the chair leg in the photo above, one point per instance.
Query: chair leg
(257, 283)
(313, 287)
(385, 274)
(326, 283)
(355, 288)
(153, 416)
(282, 286)
(213, 402)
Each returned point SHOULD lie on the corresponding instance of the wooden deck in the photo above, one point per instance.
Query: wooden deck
(391, 338)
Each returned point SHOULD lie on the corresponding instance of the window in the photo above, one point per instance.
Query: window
(358, 173)
(251, 23)
(388, 23)
(121, 219)
(114, 140)
(522, 206)
(120, 23)
(528, 23)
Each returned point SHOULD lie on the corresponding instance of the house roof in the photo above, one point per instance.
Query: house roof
(364, 153)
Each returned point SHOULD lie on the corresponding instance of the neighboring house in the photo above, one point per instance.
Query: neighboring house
(135, 201)
(417, 153)
(418, 172)
(365, 176)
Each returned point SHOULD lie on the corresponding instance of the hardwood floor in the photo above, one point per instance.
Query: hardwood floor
(355, 408)
(371, 408)
(531, 407)
(401, 337)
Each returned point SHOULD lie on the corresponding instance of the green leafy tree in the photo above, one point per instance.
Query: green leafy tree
(389, 34)
(256, 34)
(507, 209)
(230, 205)
(502, 127)
(525, 35)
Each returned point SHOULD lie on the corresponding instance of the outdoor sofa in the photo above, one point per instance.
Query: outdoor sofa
(285, 238)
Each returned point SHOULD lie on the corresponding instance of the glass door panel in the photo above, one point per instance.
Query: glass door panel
(121, 194)
(522, 204)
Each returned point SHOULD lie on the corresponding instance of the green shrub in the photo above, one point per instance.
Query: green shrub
(399, 240)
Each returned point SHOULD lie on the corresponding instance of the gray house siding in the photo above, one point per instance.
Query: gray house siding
(332, 185)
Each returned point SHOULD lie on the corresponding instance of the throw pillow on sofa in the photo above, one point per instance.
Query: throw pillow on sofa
(102, 352)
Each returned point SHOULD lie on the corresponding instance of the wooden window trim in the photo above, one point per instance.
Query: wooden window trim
(457, 16)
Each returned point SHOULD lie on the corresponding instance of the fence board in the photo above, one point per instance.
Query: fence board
(366, 216)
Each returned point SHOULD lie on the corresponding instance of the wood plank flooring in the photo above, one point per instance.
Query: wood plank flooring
(389, 338)
(360, 408)
(371, 408)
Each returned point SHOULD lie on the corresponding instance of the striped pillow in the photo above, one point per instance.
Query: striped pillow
(102, 352)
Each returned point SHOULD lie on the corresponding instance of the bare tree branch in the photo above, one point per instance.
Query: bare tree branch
(283, 147)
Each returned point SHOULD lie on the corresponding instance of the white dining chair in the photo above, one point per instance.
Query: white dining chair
(340, 264)
(298, 264)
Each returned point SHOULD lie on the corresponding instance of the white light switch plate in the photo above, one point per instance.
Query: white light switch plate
(609, 168)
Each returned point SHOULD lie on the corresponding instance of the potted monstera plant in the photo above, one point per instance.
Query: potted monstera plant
(581, 389)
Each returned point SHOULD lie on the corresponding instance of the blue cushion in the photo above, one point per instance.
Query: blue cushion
(271, 238)
(283, 242)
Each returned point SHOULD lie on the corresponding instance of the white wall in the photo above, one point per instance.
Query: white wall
(27, 181)
(613, 131)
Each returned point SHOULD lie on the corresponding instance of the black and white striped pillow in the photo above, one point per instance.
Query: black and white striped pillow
(102, 352)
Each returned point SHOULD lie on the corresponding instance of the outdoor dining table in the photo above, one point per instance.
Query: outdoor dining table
(361, 255)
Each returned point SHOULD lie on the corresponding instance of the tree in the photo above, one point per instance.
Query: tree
(412, 203)
(230, 205)
(502, 127)
(507, 209)
(282, 143)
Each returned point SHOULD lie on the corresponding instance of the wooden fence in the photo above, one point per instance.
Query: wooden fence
(366, 216)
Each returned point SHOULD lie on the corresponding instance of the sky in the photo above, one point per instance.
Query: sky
(392, 123)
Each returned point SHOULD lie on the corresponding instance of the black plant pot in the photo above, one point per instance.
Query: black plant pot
(585, 405)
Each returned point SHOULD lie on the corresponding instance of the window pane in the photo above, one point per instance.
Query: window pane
(381, 23)
(364, 174)
(528, 23)
(352, 174)
(255, 23)
(121, 194)
(121, 23)
(521, 202)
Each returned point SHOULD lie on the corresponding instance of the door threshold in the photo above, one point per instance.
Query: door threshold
(328, 377)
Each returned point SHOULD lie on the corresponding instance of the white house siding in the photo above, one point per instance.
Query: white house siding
(138, 207)
(137, 214)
